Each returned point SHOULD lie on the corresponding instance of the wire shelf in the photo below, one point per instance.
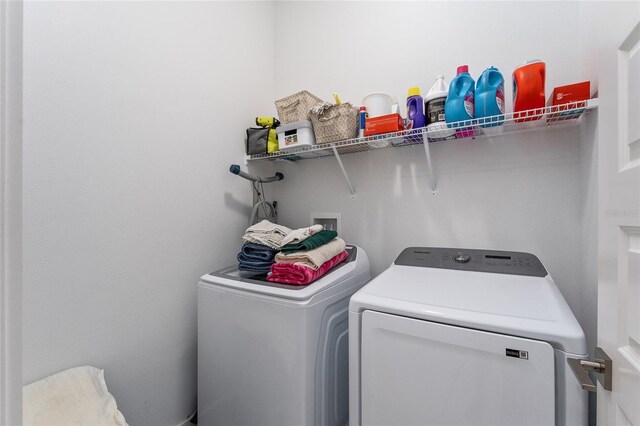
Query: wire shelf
(550, 117)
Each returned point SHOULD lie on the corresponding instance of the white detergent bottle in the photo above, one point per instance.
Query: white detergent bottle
(434, 111)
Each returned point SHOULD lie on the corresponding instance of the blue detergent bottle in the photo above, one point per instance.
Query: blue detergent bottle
(490, 98)
(460, 101)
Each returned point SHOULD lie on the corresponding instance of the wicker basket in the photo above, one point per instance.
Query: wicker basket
(296, 107)
(334, 122)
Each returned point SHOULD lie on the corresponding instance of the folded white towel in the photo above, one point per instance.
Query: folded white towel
(266, 226)
(299, 235)
(314, 258)
(266, 233)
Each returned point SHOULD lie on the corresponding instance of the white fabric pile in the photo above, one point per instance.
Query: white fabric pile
(77, 396)
(266, 233)
(276, 236)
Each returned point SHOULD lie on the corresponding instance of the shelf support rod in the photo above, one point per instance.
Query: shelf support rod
(427, 151)
(344, 172)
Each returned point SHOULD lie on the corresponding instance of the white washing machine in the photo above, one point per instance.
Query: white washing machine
(464, 337)
(272, 354)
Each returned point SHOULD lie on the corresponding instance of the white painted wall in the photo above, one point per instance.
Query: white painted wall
(132, 114)
(518, 193)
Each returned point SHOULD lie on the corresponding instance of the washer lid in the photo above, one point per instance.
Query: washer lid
(518, 305)
(229, 277)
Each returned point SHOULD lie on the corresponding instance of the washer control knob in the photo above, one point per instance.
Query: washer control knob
(461, 258)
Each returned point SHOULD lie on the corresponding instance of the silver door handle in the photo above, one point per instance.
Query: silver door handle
(602, 366)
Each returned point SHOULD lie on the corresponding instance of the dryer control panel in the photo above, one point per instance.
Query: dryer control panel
(498, 262)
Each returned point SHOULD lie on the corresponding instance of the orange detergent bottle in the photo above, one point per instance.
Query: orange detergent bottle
(528, 91)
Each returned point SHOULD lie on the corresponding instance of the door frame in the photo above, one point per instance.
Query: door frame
(11, 18)
(619, 223)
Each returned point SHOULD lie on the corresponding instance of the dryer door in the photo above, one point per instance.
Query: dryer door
(418, 372)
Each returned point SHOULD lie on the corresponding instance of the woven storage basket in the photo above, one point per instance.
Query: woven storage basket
(333, 123)
(296, 107)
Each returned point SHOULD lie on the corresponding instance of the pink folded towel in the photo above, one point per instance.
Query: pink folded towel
(290, 273)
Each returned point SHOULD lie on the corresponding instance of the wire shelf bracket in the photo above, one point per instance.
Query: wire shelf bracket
(432, 176)
(344, 171)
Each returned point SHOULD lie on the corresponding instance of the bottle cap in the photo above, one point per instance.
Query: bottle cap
(440, 77)
(363, 108)
(463, 68)
(529, 62)
(414, 91)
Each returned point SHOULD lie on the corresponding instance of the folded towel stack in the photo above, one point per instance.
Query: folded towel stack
(305, 261)
(255, 259)
(261, 243)
(298, 256)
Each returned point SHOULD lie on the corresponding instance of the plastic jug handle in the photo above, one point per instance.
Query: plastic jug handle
(453, 87)
(395, 106)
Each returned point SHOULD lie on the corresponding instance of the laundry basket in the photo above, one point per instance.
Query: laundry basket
(333, 123)
(296, 107)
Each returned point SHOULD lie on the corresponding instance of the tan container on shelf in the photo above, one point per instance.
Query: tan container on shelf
(333, 123)
(296, 107)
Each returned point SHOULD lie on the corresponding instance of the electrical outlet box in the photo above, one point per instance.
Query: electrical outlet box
(329, 221)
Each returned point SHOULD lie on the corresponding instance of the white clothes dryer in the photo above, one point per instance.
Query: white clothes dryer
(274, 354)
(464, 337)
